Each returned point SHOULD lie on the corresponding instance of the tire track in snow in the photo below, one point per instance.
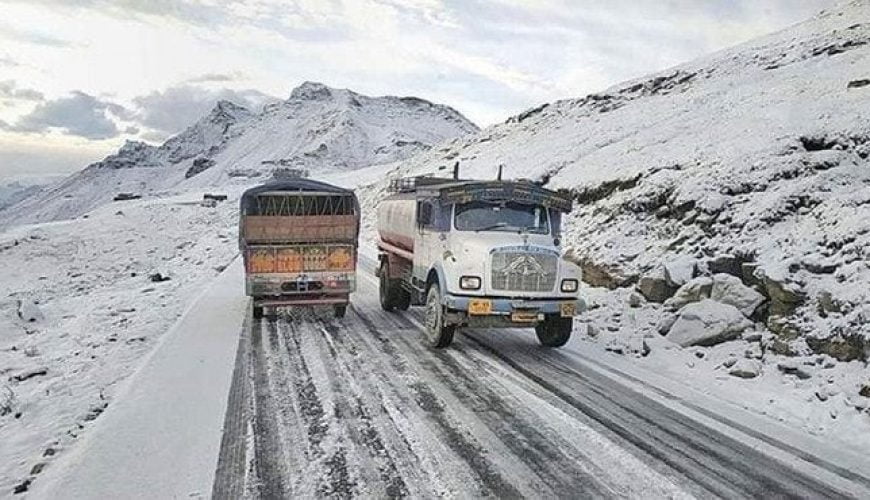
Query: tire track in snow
(380, 415)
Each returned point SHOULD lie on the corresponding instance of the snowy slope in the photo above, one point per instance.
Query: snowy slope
(317, 128)
(757, 154)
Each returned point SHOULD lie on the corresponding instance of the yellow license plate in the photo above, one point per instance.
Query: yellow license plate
(479, 307)
(524, 316)
(568, 309)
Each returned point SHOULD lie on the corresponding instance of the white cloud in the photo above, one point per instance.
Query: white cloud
(79, 114)
(169, 111)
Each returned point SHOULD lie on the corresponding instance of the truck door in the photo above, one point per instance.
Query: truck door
(431, 237)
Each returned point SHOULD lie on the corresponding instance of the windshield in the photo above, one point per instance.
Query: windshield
(508, 217)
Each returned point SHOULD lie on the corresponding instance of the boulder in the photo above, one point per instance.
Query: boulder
(827, 304)
(745, 368)
(598, 274)
(729, 289)
(665, 323)
(795, 367)
(680, 270)
(654, 287)
(635, 300)
(707, 323)
(754, 351)
(784, 297)
(727, 264)
(693, 291)
(628, 344)
(29, 311)
(8, 401)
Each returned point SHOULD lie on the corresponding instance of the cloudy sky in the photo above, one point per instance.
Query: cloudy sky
(79, 77)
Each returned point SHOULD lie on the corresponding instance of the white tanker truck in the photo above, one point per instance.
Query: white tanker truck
(477, 254)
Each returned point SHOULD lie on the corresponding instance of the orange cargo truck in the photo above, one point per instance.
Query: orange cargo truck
(299, 242)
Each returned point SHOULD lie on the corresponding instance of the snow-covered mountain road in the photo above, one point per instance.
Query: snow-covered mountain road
(360, 407)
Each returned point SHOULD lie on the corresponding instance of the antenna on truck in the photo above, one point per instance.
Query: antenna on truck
(456, 171)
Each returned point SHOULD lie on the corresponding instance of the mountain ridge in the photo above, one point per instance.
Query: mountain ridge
(317, 128)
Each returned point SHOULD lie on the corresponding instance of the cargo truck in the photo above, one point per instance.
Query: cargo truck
(298, 239)
(477, 254)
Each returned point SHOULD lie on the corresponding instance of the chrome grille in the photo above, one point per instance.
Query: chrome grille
(521, 271)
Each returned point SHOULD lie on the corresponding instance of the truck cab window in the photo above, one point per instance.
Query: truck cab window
(506, 217)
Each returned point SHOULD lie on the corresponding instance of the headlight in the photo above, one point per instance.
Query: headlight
(569, 285)
(469, 283)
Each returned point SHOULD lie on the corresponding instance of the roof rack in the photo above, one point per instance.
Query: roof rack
(411, 184)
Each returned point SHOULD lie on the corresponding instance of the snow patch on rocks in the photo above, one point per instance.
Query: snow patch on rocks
(730, 290)
(706, 323)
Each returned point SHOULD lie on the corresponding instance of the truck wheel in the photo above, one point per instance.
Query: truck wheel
(257, 312)
(403, 299)
(390, 291)
(437, 333)
(554, 331)
(340, 310)
(384, 289)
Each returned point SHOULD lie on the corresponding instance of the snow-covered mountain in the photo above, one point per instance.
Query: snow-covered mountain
(753, 161)
(317, 128)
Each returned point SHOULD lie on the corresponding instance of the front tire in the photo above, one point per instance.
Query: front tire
(257, 312)
(554, 331)
(438, 334)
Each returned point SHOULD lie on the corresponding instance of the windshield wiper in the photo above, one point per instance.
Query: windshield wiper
(499, 225)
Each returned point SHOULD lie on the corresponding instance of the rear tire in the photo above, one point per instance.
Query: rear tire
(390, 291)
(257, 312)
(340, 310)
(438, 334)
(554, 331)
(403, 299)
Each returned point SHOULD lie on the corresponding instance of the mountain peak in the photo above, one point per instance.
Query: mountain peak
(229, 110)
(311, 91)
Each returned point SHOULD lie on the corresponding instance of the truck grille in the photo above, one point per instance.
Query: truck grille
(520, 271)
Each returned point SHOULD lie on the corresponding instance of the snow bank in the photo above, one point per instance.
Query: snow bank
(162, 438)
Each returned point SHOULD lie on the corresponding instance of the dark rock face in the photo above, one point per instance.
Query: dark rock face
(199, 165)
(842, 348)
(655, 288)
(158, 278)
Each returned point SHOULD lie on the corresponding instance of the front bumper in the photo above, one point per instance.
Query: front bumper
(508, 306)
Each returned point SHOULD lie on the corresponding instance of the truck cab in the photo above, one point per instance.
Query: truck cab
(478, 254)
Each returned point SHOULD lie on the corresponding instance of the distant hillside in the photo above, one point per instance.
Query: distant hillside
(318, 129)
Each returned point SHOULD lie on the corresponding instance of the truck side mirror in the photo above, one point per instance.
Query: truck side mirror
(424, 214)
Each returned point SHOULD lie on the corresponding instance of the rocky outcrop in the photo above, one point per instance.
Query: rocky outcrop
(729, 289)
(655, 287)
(693, 291)
(680, 270)
(745, 368)
(707, 323)
(598, 274)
